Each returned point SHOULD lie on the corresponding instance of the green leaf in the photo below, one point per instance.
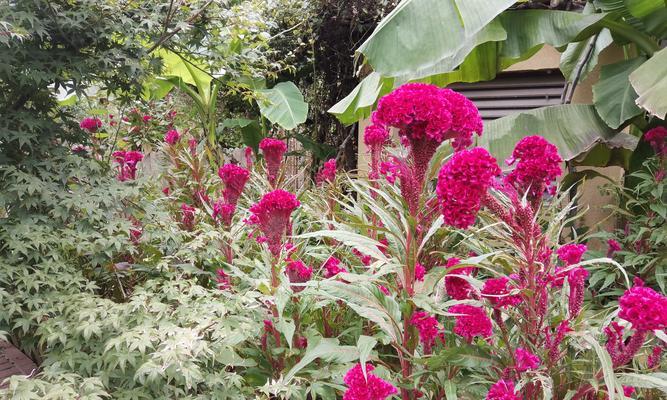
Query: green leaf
(251, 132)
(365, 345)
(655, 380)
(463, 356)
(607, 369)
(284, 105)
(643, 8)
(613, 95)
(582, 130)
(326, 349)
(175, 65)
(418, 34)
(450, 390)
(574, 53)
(650, 82)
(530, 29)
(357, 105)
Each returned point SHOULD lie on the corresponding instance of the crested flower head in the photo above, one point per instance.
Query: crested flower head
(465, 119)
(537, 167)
(127, 164)
(370, 387)
(375, 136)
(91, 124)
(571, 253)
(272, 215)
(472, 322)
(224, 212)
(273, 151)
(234, 178)
(458, 288)
(298, 272)
(525, 360)
(502, 390)
(172, 136)
(427, 326)
(657, 138)
(327, 173)
(645, 308)
(332, 267)
(462, 182)
(497, 292)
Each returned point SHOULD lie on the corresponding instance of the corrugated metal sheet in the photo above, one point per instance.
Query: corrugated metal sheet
(510, 93)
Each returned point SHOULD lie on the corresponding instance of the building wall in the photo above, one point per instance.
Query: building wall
(549, 58)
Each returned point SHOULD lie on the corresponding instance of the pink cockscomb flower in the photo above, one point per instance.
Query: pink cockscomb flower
(525, 360)
(224, 212)
(502, 390)
(370, 387)
(458, 288)
(420, 272)
(571, 253)
(537, 167)
(645, 308)
(248, 153)
(375, 138)
(462, 183)
(576, 278)
(332, 267)
(127, 164)
(234, 178)
(327, 173)
(657, 138)
(472, 322)
(654, 358)
(172, 136)
(187, 216)
(223, 280)
(298, 272)
(91, 124)
(273, 151)
(384, 290)
(612, 247)
(364, 258)
(497, 292)
(465, 119)
(427, 326)
(272, 215)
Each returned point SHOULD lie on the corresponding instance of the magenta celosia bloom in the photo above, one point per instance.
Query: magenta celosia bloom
(146, 118)
(420, 272)
(645, 308)
(654, 358)
(298, 272)
(427, 325)
(187, 216)
(462, 182)
(127, 164)
(364, 258)
(525, 360)
(612, 247)
(234, 178)
(384, 290)
(272, 215)
(375, 138)
(223, 280)
(327, 173)
(332, 267)
(370, 387)
(552, 340)
(273, 151)
(497, 292)
(192, 145)
(571, 253)
(472, 322)
(223, 212)
(657, 138)
(538, 166)
(465, 119)
(458, 288)
(576, 279)
(628, 391)
(621, 350)
(502, 390)
(410, 186)
(91, 124)
(248, 157)
(172, 136)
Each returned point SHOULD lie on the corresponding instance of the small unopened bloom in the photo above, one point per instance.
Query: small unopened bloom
(657, 138)
(525, 360)
(502, 390)
(427, 326)
(187, 216)
(223, 280)
(172, 136)
(654, 358)
(370, 387)
(462, 182)
(224, 212)
(612, 247)
(472, 322)
(91, 124)
(375, 138)
(420, 272)
(248, 157)
(298, 272)
(332, 267)
(272, 215)
(576, 279)
(273, 151)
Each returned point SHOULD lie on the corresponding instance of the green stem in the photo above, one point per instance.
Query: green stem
(643, 41)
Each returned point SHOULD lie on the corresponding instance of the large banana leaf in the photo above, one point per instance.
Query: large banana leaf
(418, 34)
(650, 82)
(283, 105)
(575, 52)
(573, 128)
(357, 105)
(613, 95)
